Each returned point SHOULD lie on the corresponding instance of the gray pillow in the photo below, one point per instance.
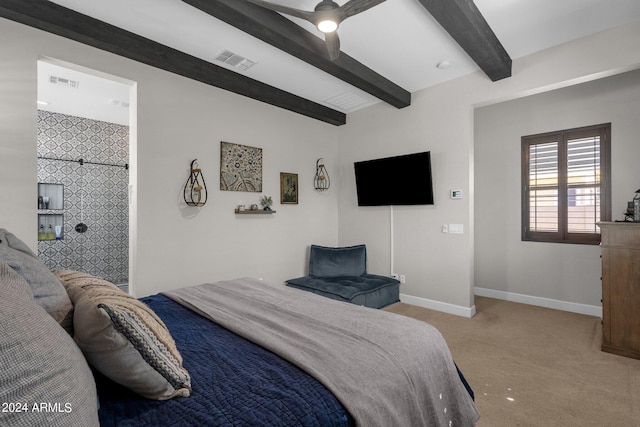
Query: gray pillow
(124, 338)
(40, 364)
(348, 261)
(47, 289)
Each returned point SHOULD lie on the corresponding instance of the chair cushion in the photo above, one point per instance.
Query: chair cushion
(41, 365)
(337, 262)
(369, 290)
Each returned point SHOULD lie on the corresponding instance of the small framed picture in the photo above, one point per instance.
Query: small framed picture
(288, 188)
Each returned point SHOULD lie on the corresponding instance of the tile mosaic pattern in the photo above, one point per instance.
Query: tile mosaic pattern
(95, 195)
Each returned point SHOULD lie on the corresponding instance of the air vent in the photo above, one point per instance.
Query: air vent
(235, 60)
(64, 82)
(348, 101)
(119, 103)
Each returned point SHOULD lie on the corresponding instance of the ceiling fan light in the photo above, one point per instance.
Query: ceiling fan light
(327, 26)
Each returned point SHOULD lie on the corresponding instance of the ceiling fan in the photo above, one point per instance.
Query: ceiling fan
(326, 16)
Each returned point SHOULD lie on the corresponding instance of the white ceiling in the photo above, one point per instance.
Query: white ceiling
(398, 39)
(87, 95)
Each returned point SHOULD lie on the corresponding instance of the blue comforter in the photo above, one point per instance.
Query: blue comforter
(235, 383)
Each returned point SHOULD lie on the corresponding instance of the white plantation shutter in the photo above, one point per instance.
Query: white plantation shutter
(543, 187)
(565, 185)
(583, 184)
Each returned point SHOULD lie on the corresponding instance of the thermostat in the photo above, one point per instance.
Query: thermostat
(456, 194)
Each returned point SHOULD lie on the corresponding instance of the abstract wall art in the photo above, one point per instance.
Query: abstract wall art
(240, 168)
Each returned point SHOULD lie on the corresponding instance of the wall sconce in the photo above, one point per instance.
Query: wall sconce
(321, 182)
(195, 193)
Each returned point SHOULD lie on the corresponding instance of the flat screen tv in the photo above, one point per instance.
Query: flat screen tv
(399, 180)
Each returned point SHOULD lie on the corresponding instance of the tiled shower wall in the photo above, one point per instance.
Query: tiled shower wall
(96, 195)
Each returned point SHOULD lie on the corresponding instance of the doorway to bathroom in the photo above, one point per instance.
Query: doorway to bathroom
(83, 171)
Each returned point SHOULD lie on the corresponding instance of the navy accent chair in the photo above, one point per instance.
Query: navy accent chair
(341, 274)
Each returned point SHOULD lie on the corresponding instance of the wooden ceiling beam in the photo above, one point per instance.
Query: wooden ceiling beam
(464, 22)
(55, 19)
(278, 31)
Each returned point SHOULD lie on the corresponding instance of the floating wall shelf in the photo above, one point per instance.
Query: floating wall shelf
(254, 212)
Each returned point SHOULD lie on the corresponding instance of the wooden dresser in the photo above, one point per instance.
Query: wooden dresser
(621, 288)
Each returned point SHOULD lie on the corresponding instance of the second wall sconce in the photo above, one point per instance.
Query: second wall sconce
(321, 182)
(195, 190)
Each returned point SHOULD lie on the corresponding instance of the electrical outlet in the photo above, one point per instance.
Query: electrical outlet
(445, 228)
(403, 279)
(395, 276)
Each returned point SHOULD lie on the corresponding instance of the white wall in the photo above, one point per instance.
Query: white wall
(178, 120)
(440, 267)
(560, 272)
(436, 266)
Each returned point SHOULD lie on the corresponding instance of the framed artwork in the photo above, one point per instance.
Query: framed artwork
(240, 168)
(288, 188)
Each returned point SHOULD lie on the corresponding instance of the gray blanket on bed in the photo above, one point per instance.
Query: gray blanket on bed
(386, 369)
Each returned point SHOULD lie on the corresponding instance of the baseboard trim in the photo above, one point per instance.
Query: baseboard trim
(439, 306)
(590, 310)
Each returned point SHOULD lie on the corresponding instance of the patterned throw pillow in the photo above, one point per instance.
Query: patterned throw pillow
(124, 339)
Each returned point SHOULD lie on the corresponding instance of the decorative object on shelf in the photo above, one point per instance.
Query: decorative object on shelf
(288, 188)
(266, 202)
(254, 207)
(240, 168)
(240, 208)
(195, 191)
(321, 182)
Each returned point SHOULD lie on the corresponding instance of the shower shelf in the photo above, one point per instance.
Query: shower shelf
(50, 207)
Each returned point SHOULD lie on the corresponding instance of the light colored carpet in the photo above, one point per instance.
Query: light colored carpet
(533, 366)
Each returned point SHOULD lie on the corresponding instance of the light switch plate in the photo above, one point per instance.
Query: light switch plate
(456, 229)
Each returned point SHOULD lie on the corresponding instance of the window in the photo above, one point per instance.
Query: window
(565, 179)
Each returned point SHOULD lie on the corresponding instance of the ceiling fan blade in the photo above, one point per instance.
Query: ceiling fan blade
(303, 14)
(333, 45)
(353, 7)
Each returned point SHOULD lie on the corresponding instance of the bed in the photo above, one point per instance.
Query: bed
(243, 352)
(232, 374)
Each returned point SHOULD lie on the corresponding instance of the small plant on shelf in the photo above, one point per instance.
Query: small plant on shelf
(266, 202)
